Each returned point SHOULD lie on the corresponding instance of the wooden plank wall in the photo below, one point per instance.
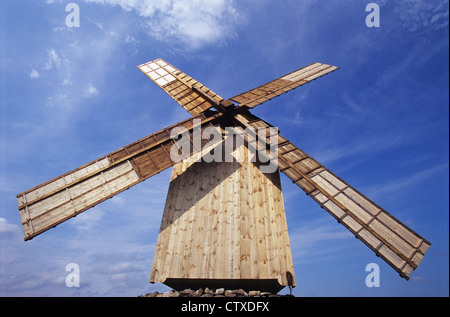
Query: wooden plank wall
(223, 221)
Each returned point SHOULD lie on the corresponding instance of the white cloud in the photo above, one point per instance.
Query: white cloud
(123, 267)
(400, 184)
(320, 231)
(414, 15)
(53, 60)
(34, 74)
(317, 239)
(194, 23)
(66, 82)
(118, 201)
(91, 91)
(87, 220)
(7, 229)
(131, 39)
(21, 282)
(362, 145)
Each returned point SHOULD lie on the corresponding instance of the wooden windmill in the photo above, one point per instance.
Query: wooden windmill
(224, 222)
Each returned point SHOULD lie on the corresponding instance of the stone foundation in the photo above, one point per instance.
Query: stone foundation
(219, 292)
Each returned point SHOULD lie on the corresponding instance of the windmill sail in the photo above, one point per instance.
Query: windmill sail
(401, 247)
(263, 93)
(189, 93)
(66, 196)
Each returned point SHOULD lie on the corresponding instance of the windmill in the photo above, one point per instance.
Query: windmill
(224, 221)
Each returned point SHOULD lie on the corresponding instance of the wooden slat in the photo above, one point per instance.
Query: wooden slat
(179, 86)
(401, 247)
(263, 93)
(59, 199)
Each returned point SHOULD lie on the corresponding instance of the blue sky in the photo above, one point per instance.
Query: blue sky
(71, 95)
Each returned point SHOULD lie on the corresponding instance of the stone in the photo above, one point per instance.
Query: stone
(253, 293)
(220, 291)
(187, 293)
(167, 294)
(229, 293)
(198, 292)
(239, 292)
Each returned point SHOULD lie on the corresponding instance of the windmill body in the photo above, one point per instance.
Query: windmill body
(223, 222)
(223, 226)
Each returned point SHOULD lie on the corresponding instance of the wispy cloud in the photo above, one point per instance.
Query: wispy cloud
(361, 146)
(91, 91)
(89, 220)
(194, 23)
(53, 60)
(402, 183)
(34, 74)
(63, 73)
(22, 282)
(7, 229)
(56, 64)
(416, 15)
(309, 240)
(121, 268)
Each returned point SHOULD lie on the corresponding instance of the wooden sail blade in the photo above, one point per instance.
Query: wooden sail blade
(263, 93)
(189, 93)
(398, 245)
(66, 196)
